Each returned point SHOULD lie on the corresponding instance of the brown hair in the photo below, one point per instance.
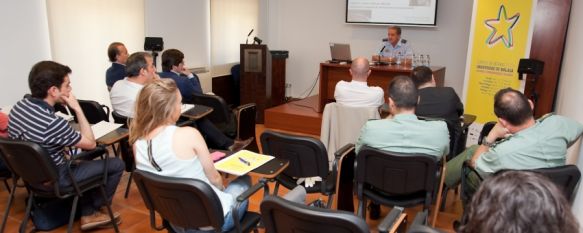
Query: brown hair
(112, 51)
(154, 107)
(519, 201)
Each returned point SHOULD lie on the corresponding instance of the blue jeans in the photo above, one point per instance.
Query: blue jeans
(236, 187)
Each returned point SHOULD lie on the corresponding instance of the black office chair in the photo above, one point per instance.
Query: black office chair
(21, 156)
(238, 123)
(397, 179)
(419, 224)
(120, 119)
(126, 151)
(282, 216)
(307, 158)
(94, 111)
(189, 203)
(565, 177)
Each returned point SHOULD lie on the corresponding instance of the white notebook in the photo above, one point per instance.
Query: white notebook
(103, 127)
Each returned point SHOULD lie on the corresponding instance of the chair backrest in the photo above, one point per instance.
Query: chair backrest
(246, 116)
(396, 173)
(306, 155)
(187, 203)
(565, 177)
(341, 123)
(120, 119)
(282, 216)
(94, 111)
(221, 112)
(29, 161)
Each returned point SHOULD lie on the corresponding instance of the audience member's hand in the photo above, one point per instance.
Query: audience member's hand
(72, 102)
(497, 132)
(186, 72)
(156, 77)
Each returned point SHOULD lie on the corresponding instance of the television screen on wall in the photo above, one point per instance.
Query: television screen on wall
(394, 12)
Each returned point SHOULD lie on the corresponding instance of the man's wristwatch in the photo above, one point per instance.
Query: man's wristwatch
(485, 142)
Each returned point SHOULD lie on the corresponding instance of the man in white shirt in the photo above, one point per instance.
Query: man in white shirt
(357, 93)
(140, 71)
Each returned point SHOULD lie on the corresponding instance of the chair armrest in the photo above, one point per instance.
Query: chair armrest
(338, 156)
(245, 195)
(420, 219)
(99, 150)
(467, 120)
(343, 150)
(244, 106)
(390, 220)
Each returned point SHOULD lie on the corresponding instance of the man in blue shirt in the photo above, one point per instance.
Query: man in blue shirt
(394, 48)
(173, 67)
(118, 55)
(188, 84)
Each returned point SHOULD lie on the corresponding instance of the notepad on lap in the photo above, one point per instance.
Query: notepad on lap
(242, 162)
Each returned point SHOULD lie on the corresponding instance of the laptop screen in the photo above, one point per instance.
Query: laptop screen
(340, 52)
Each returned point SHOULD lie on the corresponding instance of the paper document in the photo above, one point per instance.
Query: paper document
(103, 127)
(186, 107)
(242, 162)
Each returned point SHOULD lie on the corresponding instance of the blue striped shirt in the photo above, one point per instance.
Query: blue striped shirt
(34, 120)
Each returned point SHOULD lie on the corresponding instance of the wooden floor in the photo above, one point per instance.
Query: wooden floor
(296, 116)
(135, 216)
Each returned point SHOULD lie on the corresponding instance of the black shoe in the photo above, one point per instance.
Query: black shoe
(374, 211)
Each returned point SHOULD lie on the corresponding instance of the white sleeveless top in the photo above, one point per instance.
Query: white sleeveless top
(172, 166)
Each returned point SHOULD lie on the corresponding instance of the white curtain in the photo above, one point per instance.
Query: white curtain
(80, 33)
(231, 21)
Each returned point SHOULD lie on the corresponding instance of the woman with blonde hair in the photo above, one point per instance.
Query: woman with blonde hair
(162, 148)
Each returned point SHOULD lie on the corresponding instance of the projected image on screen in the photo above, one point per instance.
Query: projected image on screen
(403, 12)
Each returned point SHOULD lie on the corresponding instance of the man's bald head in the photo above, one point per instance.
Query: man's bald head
(512, 106)
(360, 69)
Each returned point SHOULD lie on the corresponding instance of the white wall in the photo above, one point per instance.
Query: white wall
(568, 102)
(80, 33)
(306, 27)
(25, 41)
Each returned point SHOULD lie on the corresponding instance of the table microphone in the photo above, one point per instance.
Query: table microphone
(247, 40)
(379, 62)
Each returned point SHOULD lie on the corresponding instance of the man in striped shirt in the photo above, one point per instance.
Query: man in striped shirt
(33, 119)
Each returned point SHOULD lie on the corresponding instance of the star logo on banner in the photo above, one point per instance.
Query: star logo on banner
(501, 28)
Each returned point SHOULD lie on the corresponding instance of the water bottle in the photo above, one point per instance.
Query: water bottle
(414, 61)
(421, 60)
(399, 58)
(428, 61)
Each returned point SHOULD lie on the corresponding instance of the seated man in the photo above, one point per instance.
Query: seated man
(118, 55)
(404, 133)
(357, 93)
(33, 119)
(140, 70)
(436, 102)
(527, 143)
(173, 67)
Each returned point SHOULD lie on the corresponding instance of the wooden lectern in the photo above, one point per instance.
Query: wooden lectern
(262, 77)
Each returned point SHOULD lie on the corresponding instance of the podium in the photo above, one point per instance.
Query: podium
(262, 77)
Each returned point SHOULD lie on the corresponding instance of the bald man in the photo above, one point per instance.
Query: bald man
(357, 93)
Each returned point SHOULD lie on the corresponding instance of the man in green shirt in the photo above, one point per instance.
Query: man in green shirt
(526, 143)
(404, 133)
